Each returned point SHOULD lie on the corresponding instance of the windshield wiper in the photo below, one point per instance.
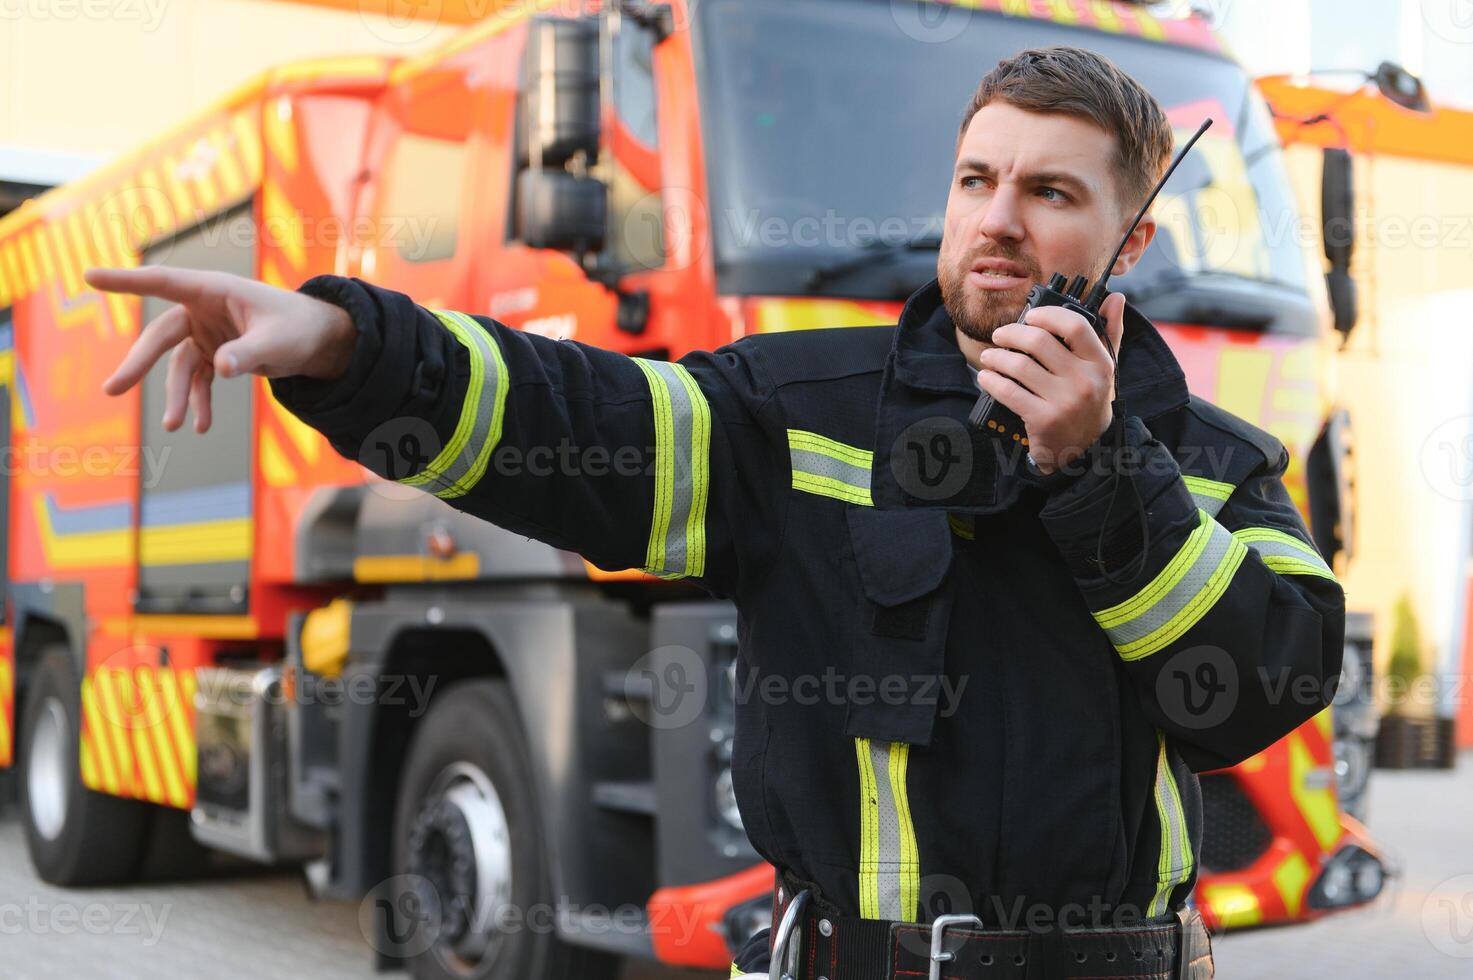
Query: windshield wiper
(875, 252)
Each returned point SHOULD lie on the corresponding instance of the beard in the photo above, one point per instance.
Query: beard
(978, 312)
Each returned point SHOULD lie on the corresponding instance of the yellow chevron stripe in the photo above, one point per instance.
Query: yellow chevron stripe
(77, 241)
(280, 134)
(271, 273)
(88, 764)
(1105, 16)
(12, 270)
(285, 224)
(129, 208)
(28, 262)
(158, 213)
(1063, 12)
(190, 684)
(179, 717)
(1149, 26)
(106, 239)
(111, 714)
(307, 440)
(135, 727)
(232, 181)
(276, 469)
(156, 709)
(43, 253)
(248, 142)
(202, 184)
(184, 209)
(105, 759)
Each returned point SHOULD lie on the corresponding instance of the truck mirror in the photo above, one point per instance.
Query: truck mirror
(1401, 87)
(560, 92)
(559, 210)
(1337, 206)
(1337, 227)
(1341, 286)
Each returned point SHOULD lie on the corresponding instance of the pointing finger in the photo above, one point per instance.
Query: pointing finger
(175, 285)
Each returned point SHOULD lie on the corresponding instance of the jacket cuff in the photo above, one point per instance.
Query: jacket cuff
(1079, 511)
(373, 385)
(1067, 476)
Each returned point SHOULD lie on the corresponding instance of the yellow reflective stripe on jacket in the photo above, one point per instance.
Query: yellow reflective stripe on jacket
(1179, 596)
(1210, 495)
(889, 862)
(460, 465)
(682, 420)
(1284, 553)
(830, 468)
(735, 970)
(1174, 865)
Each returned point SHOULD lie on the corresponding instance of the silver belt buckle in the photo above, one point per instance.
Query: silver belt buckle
(787, 944)
(938, 935)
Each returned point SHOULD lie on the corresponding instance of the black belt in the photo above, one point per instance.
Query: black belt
(820, 946)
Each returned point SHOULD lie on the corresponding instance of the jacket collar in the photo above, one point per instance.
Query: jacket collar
(928, 389)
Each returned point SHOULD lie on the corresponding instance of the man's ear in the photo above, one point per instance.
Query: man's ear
(1136, 246)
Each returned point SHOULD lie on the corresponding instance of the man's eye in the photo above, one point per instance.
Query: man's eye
(971, 183)
(1058, 195)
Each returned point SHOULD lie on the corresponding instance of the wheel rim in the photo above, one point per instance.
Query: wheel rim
(47, 772)
(460, 844)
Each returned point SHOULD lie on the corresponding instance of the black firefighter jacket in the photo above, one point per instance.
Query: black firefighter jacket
(943, 703)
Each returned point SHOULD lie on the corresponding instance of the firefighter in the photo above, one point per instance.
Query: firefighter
(1023, 645)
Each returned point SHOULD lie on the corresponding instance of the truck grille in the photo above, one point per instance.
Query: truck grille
(1233, 834)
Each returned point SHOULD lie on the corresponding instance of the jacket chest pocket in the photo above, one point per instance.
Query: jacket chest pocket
(902, 612)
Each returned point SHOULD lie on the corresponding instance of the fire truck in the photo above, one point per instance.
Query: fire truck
(1409, 245)
(243, 642)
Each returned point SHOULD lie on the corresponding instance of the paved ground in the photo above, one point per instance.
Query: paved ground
(262, 925)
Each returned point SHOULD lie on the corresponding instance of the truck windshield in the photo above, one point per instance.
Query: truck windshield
(830, 128)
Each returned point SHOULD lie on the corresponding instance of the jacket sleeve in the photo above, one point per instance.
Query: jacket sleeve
(632, 463)
(1233, 631)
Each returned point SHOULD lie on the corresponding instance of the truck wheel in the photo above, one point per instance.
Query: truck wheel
(469, 841)
(75, 836)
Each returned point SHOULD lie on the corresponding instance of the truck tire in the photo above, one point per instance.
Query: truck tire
(75, 836)
(467, 829)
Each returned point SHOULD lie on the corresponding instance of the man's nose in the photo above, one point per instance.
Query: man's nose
(1001, 219)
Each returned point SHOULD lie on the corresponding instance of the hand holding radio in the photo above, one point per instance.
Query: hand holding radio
(1051, 379)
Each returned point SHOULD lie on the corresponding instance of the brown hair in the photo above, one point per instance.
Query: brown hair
(1080, 83)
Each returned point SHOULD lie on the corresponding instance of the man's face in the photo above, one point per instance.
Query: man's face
(1032, 194)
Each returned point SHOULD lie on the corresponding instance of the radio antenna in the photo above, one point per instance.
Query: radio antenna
(1097, 295)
